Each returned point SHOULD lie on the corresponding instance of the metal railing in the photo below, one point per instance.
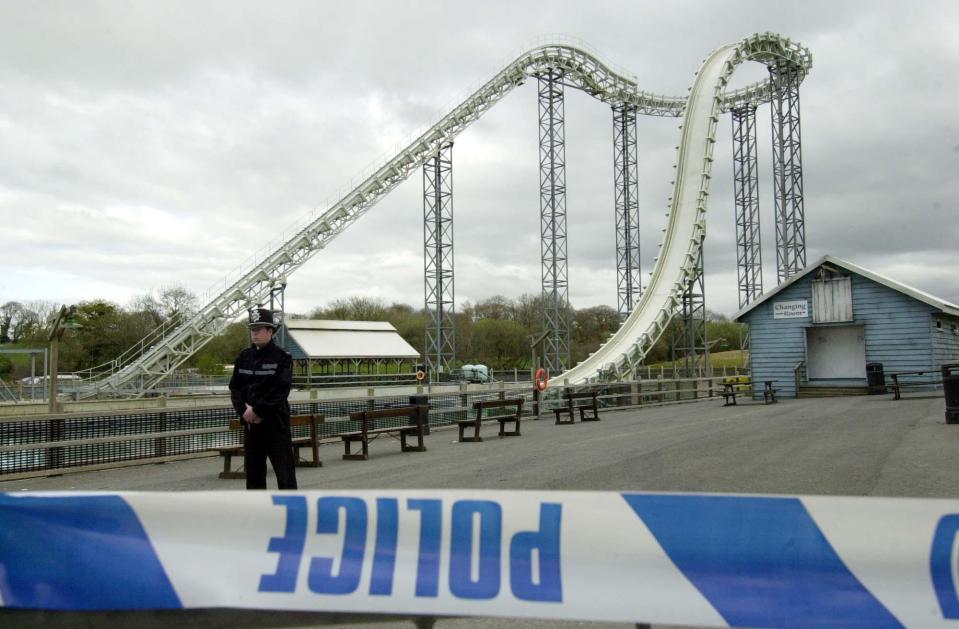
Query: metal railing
(45, 444)
(6, 393)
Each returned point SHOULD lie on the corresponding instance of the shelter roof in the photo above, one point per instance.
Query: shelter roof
(919, 295)
(326, 339)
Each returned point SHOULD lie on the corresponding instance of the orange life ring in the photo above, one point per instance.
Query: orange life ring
(541, 378)
(420, 375)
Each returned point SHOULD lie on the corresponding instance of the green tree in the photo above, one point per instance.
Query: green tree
(209, 365)
(9, 312)
(353, 309)
(591, 327)
(500, 344)
(495, 307)
(166, 303)
(464, 337)
(409, 324)
(528, 312)
(722, 333)
(99, 338)
(222, 349)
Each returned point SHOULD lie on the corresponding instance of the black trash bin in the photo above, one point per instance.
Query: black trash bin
(950, 388)
(875, 378)
(421, 400)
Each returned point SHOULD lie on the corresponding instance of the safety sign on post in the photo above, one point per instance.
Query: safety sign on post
(693, 559)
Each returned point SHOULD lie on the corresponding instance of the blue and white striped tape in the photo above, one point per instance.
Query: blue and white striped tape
(629, 557)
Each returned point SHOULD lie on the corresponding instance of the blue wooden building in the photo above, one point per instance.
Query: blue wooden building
(825, 324)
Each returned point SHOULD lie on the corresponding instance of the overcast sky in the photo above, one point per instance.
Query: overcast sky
(150, 144)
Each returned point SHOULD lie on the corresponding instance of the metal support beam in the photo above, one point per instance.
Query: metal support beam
(749, 259)
(787, 171)
(278, 306)
(746, 190)
(626, 181)
(689, 342)
(552, 188)
(440, 338)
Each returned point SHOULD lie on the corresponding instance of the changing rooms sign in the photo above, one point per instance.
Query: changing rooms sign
(791, 309)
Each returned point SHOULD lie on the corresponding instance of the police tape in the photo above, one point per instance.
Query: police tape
(696, 559)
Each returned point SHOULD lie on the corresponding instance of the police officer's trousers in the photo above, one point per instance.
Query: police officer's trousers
(272, 440)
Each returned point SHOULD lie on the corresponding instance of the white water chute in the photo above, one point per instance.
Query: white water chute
(157, 356)
(686, 229)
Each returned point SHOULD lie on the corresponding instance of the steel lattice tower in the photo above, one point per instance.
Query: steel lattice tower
(626, 181)
(278, 306)
(440, 335)
(689, 341)
(787, 171)
(746, 190)
(552, 199)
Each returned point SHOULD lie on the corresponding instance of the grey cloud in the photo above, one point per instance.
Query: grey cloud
(233, 120)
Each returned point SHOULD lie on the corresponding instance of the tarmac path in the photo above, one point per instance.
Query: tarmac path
(854, 446)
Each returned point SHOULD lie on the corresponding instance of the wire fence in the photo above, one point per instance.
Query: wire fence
(186, 383)
(45, 444)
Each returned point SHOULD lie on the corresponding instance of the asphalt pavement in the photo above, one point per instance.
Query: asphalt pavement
(853, 446)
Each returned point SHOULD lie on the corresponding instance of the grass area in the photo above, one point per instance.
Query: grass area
(729, 359)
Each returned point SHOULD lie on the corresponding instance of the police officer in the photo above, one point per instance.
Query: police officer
(260, 385)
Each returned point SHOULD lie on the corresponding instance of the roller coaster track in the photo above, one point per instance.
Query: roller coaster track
(157, 356)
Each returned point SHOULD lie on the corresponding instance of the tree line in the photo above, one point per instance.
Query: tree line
(496, 331)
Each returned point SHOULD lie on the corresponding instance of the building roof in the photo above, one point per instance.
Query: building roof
(325, 340)
(330, 324)
(919, 295)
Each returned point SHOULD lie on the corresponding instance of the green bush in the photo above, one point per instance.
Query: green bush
(210, 366)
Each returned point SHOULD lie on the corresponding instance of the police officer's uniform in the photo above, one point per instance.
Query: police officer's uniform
(262, 378)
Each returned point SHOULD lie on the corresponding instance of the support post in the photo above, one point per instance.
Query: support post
(689, 342)
(626, 182)
(749, 260)
(746, 190)
(552, 179)
(440, 337)
(278, 305)
(787, 171)
(54, 405)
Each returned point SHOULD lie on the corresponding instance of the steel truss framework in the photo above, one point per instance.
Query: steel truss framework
(787, 170)
(746, 193)
(626, 183)
(156, 356)
(278, 306)
(749, 261)
(440, 351)
(552, 204)
(689, 339)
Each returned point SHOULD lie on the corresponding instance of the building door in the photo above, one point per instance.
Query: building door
(835, 352)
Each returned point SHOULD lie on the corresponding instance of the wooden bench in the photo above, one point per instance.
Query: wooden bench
(309, 441)
(934, 378)
(569, 407)
(367, 431)
(479, 407)
(730, 389)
